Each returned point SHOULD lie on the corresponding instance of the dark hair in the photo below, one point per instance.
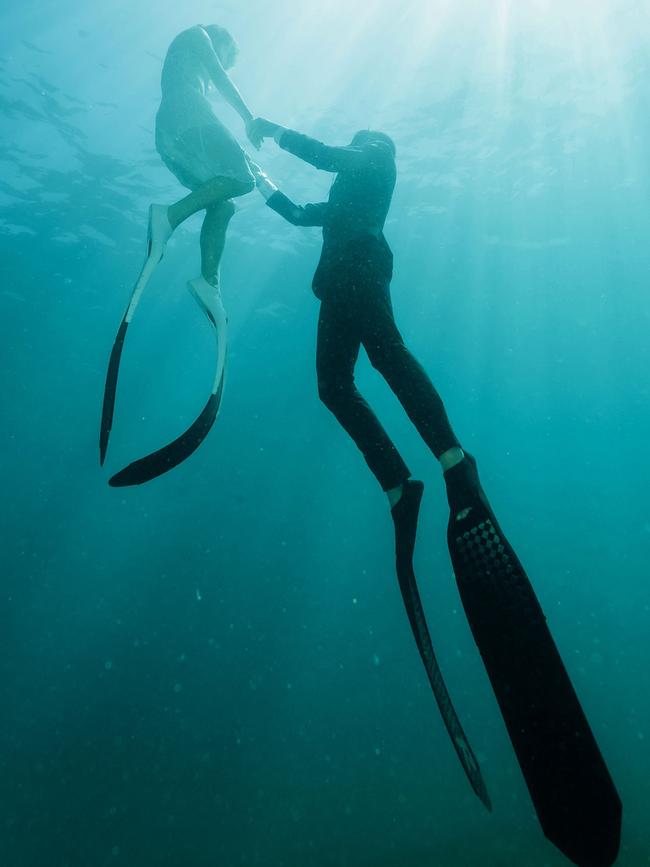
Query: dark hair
(367, 136)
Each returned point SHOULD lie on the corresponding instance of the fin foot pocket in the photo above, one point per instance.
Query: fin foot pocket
(159, 231)
(405, 517)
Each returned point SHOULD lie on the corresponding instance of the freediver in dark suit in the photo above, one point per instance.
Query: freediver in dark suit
(574, 796)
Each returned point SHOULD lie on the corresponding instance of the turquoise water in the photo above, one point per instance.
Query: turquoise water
(216, 668)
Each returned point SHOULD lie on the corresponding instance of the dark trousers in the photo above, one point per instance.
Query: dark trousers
(356, 311)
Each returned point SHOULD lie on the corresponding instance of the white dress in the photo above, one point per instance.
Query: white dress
(192, 142)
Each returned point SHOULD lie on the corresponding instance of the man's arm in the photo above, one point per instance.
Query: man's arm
(321, 156)
(312, 151)
(297, 215)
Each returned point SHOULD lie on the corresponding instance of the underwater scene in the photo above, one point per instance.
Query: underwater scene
(296, 298)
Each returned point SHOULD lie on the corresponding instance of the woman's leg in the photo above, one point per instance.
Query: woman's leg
(213, 238)
(214, 192)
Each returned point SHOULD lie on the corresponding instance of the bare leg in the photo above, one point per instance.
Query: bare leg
(213, 238)
(212, 192)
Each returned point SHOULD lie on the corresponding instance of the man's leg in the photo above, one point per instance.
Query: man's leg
(406, 377)
(417, 394)
(339, 339)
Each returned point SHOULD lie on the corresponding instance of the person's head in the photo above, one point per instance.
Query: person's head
(224, 45)
(373, 136)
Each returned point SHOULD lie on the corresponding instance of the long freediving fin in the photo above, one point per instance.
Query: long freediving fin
(174, 453)
(405, 515)
(575, 799)
(110, 387)
(158, 232)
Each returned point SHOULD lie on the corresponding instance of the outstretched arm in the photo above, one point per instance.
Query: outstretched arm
(297, 215)
(224, 85)
(312, 151)
(319, 155)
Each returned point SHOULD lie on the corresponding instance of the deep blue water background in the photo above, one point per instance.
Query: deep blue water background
(216, 668)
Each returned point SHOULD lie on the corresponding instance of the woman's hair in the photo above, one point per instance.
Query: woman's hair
(366, 136)
(221, 38)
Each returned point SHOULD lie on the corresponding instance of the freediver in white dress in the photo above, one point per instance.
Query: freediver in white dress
(207, 159)
(195, 145)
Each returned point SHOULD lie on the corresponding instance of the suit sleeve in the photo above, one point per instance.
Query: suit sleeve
(319, 155)
(297, 215)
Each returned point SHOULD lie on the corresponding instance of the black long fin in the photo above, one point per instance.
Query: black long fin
(570, 786)
(112, 373)
(174, 453)
(406, 526)
(110, 388)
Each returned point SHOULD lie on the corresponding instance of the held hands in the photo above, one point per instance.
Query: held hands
(261, 128)
(263, 182)
(258, 172)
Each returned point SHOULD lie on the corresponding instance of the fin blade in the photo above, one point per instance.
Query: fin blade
(171, 455)
(415, 612)
(405, 515)
(110, 388)
(573, 794)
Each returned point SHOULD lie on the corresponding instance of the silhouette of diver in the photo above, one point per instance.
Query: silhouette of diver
(352, 281)
(574, 796)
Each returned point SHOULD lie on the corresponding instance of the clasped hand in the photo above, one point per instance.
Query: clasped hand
(259, 128)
